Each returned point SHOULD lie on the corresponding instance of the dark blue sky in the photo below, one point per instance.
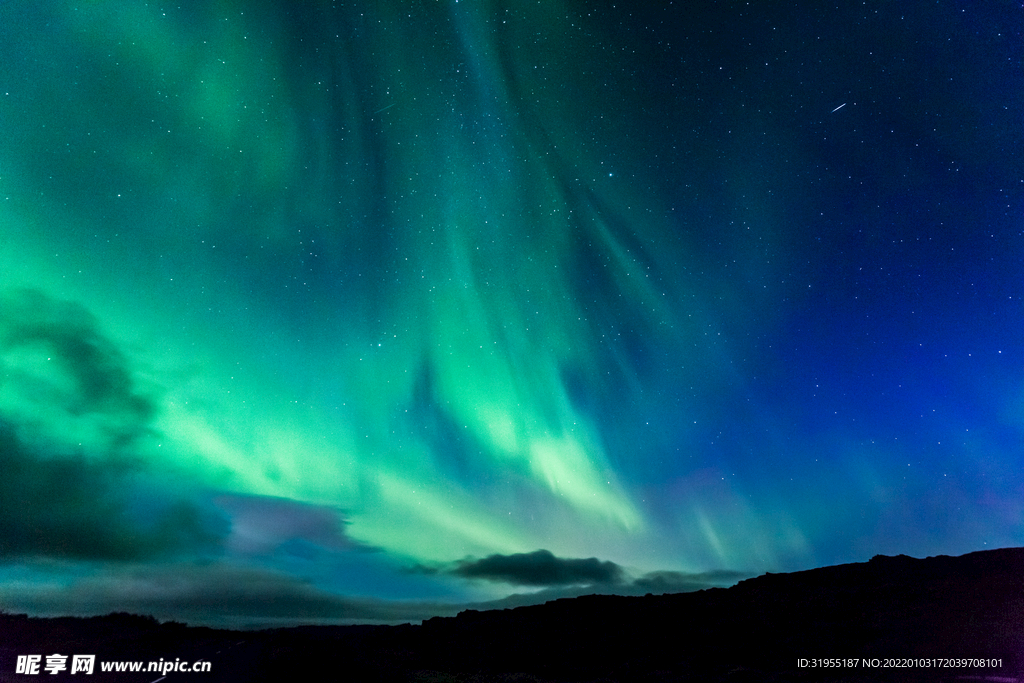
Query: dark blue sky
(369, 310)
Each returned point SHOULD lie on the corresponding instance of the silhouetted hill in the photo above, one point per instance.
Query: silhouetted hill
(876, 614)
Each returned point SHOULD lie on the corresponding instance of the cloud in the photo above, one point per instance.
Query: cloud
(683, 582)
(71, 424)
(225, 594)
(654, 582)
(213, 594)
(539, 568)
(260, 525)
(63, 381)
(559, 577)
(231, 595)
(69, 506)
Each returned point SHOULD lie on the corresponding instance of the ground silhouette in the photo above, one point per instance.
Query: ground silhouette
(889, 619)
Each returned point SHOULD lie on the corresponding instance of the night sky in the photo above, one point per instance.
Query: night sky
(369, 311)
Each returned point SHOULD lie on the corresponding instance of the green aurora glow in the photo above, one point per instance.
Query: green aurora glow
(422, 223)
(452, 271)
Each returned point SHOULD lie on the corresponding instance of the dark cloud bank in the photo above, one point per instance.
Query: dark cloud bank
(540, 568)
(543, 569)
(223, 594)
(571, 577)
(756, 631)
(71, 418)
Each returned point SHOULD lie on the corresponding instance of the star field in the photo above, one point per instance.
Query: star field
(367, 310)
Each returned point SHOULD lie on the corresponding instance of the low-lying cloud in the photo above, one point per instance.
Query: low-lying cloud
(226, 594)
(685, 582)
(539, 568)
(564, 577)
(213, 594)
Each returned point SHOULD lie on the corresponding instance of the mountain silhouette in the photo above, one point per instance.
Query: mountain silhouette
(889, 619)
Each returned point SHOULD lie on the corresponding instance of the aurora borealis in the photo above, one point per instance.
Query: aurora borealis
(359, 311)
